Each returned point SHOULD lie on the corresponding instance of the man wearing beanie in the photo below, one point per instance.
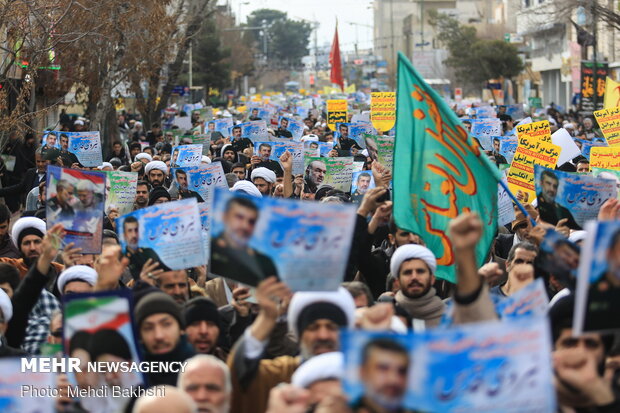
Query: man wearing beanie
(159, 195)
(203, 326)
(315, 318)
(414, 266)
(159, 321)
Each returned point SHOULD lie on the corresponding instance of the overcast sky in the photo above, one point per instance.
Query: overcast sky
(323, 11)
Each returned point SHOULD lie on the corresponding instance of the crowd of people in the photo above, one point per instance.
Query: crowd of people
(267, 349)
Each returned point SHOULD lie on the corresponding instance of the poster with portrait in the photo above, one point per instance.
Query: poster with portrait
(293, 126)
(508, 146)
(305, 244)
(273, 150)
(355, 131)
(597, 299)
(362, 181)
(381, 149)
(459, 369)
(98, 328)
(120, 191)
(254, 130)
(75, 199)
(185, 156)
(85, 146)
(199, 181)
(577, 197)
(169, 233)
(335, 172)
(325, 148)
(222, 126)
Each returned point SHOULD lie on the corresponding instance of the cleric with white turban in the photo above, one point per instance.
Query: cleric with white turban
(156, 165)
(265, 173)
(27, 226)
(81, 273)
(410, 252)
(246, 187)
(144, 156)
(324, 367)
(6, 306)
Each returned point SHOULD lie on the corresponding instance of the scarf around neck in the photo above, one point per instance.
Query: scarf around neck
(428, 307)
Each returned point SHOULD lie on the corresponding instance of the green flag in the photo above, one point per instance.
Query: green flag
(439, 171)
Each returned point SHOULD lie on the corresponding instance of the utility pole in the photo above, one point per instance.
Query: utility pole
(594, 55)
(191, 69)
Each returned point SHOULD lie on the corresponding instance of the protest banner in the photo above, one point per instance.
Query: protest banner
(98, 328)
(589, 89)
(254, 130)
(576, 197)
(537, 130)
(336, 172)
(25, 391)
(363, 117)
(120, 190)
(597, 298)
(304, 244)
(336, 113)
(361, 182)
(516, 111)
(508, 146)
(169, 233)
(531, 300)
(86, 146)
(484, 129)
(612, 93)
(383, 110)
(325, 148)
(295, 127)
(199, 180)
(610, 174)
(560, 257)
(355, 131)
(380, 149)
(530, 151)
(605, 157)
(278, 148)
(75, 199)
(484, 112)
(222, 126)
(312, 149)
(585, 146)
(454, 370)
(186, 156)
(439, 171)
(202, 140)
(505, 209)
(205, 224)
(570, 150)
(609, 122)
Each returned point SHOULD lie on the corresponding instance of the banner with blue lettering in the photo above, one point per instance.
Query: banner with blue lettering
(186, 156)
(199, 180)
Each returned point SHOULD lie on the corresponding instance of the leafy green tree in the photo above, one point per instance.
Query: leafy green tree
(287, 40)
(475, 60)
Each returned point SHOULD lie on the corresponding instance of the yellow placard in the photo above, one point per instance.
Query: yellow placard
(609, 122)
(537, 130)
(530, 151)
(612, 94)
(336, 112)
(383, 110)
(603, 157)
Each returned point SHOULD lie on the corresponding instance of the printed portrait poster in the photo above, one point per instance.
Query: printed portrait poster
(325, 148)
(254, 130)
(597, 299)
(98, 327)
(505, 209)
(86, 146)
(483, 129)
(75, 199)
(336, 172)
(312, 149)
(381, 149)
(199, 181)
(186, 155)
(586, 147)
(485, 112)
(508, 147)
(296, 149)
(295, 127)
(169, 233)
(222, 126)
(577, 197)
(120, 190)
(12, 382)
(355, 131)
(305, 244)
(362, 181)
(499, 366)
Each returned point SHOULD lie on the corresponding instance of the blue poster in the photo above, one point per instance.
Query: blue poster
(355, 131)
(484, 112)
(305, 244)
(86, 146)
(516, 112)
(19, 388)
(278, 148)
(75, 199)
(302, 112)
(169, 233)
(254, 130)
(362, 182)
(205, 224)
(586, 146)
(200, 179)
(222, 126)
(294, 126)
(500, 366)
(186, 156)
(531, 300)
(325, 148)
(574, 195)
(484, 129)
(508, 147)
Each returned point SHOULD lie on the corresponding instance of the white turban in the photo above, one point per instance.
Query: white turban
(265, 173)
(322, 367)
(577, 236)
(6, 306)
(25, 223)
(144, 155)
(247, 187)
(310, 138)
(77, 272)
(205, 159)
(409, 252)
(156, 165)
(340, 298)
(107, 165)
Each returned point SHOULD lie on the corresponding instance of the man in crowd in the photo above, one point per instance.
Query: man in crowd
(206, 380)
(264, 179)
(142, 195)
(204, 327)
(156, 172)
(520, 269)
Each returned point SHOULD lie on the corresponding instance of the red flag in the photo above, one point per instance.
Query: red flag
(336, 63)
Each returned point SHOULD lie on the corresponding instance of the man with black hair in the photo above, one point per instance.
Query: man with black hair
(520, 269)
(183, 184)
(64, 150)
(203, 326)
(142, 195)
(137, 256)
(499, 158)
(282, 130)
(344, 142)
(231, 255)
(239, 143)
(383, 371)
(14, 195)
(7, 248)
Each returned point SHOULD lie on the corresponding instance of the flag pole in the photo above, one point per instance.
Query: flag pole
(516, 201)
